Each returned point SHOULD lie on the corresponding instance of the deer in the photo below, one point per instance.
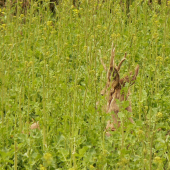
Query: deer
(113, 91)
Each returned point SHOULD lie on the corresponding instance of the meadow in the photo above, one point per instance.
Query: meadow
(50, 72)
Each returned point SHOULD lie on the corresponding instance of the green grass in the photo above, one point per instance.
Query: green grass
(50, 71)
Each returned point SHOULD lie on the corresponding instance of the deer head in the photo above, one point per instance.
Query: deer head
(113, 90)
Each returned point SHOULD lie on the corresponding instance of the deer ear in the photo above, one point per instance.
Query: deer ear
(130, 78)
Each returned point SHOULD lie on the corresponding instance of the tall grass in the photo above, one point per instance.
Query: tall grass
(50, 72)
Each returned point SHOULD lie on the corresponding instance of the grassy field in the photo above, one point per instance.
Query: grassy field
(50, 72)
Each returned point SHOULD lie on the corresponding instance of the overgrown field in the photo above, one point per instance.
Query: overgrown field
(50, 72)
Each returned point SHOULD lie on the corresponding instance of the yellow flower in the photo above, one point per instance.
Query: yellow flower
(53, 32)
(140, 133)
(34, 19)
(157, 159)
(30, 64)
(144, 151)
(113, 35)
(159, 58)
(98, 26)
(146, 107)
(76, 11)
(159, 115)
(105, 28)
(155, 16)
(156, 21)
(124, 161)
(43, 37)
(155, 35)
(92, 36)
(3, 25)
(48, 158)
(22, 15)
(42, 168)
(118, 35)
(26, 63)
(49, 23)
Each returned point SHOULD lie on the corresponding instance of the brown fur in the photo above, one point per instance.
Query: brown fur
(115, 91)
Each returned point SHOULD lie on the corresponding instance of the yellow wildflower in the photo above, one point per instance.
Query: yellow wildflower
(98, 26)
(113, 35)
(156, 22)
(92, 36)
(105, 28)
(30, 64)
(49, 23)
(76, 11)
(3, 25)
(124, 161)
(159, 115)
(157, 159)
(22, 15)
(48, 158)
(159, 58)
(155, 16)
(118, 35)
(155, 35)
(42, 167)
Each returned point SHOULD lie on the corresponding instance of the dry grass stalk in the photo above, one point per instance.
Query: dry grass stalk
(113, 91)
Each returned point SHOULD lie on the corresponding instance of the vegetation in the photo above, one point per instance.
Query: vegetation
(50, 72)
